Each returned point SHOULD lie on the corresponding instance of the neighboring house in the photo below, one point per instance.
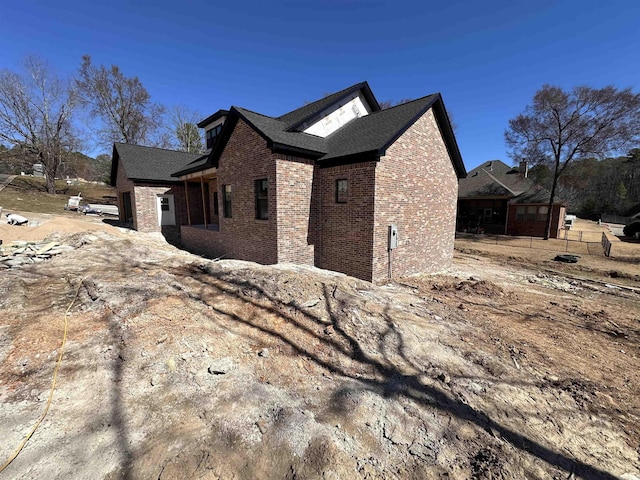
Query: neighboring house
(149, 198)
(497, 198)
(337, 183)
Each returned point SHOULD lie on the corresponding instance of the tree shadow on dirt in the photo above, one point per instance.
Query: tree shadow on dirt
(383, 376)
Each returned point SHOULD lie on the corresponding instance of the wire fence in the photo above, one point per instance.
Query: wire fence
(573, 241)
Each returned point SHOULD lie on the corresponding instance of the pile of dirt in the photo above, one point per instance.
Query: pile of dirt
(42, 225)
(180, 367)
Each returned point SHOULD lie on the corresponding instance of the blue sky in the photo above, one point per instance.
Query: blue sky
(487, 58)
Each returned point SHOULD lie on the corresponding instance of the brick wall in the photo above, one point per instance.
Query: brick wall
(204, 242)
(535, 228)
(245, 159)
(124, 185)
(345, 230)
(144, 204)
(416, 190)
(143, 201)
(294, 184)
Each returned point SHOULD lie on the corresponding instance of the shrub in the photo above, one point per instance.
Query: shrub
(631, 229)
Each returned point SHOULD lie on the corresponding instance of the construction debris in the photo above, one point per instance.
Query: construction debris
(21, 252)
(15, 219)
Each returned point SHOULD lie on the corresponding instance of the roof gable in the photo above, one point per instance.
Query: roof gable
(296, 118)
(361, 137)
(376, 132)
(494, 178)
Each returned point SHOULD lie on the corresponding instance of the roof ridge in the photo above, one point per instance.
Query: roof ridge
(405, 103)
(310, 104)
(254, 112)
(154, 148)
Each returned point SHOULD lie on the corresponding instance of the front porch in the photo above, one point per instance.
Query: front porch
(201, 234)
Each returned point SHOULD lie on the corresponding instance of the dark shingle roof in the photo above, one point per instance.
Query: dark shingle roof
(149, 164)
(275, 130)
(370, 134)
(296, 117)
(377, 130)
(534, 195)
(493, 179)
(212, 118)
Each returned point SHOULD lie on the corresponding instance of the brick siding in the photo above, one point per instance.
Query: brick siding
(295, 221)
(345, 230)
(143, 202)
(534, 228)
(416, 190)
(414, 186)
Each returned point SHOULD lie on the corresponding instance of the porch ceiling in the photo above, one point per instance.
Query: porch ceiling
(207, 174)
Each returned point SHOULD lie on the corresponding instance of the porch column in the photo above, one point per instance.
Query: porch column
(186, 194)
(204, 202)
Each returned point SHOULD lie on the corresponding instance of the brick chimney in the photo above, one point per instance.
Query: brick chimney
(524, 169)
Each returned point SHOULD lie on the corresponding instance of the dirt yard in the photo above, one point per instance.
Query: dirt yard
(508, 366)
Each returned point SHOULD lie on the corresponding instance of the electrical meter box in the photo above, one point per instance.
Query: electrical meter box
(393, 237)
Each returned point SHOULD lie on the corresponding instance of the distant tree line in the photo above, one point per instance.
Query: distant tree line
(592, 187)
(48, 119)
(564, 132)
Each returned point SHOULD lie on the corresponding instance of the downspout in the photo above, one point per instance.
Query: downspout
(186, 194)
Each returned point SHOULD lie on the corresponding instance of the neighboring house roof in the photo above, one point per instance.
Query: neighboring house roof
(149, 164)
(371, 134)
(494, 179)
(535, 195)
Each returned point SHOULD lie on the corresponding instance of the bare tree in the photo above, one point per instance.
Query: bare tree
(560, 126)
(122, 103)
(35, 115)
(183, 124)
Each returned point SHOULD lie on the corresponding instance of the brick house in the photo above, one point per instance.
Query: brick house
(149, 198)
(325, 185)
(338, 183)
(496, 198)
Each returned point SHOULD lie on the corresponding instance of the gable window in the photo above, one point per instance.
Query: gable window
(226, 200)
(212, 134)
(342, 190)
(262, 199)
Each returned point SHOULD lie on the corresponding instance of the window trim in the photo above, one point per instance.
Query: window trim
(261, 196)
(227, 197)
(342, 197)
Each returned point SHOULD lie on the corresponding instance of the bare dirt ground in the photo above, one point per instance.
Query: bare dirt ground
(507, 366)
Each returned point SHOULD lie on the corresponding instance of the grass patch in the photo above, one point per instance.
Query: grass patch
(29, 194)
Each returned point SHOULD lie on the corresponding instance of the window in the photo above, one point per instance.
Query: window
(215, 203)
(342, 190)
(531, 213)
(262, 199)
(164, 204)
(212, 135)
(226, 200)
(542, 213)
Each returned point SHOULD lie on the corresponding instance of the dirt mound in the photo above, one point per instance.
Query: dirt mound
(179, 367)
